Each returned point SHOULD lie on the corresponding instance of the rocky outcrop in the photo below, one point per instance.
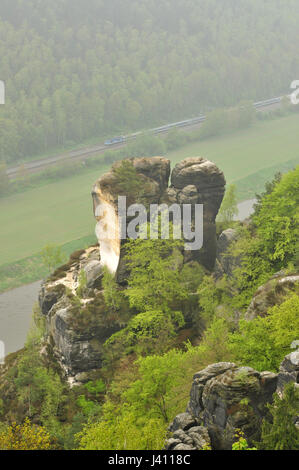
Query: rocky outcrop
(77, 321)
(288, 371)
(153, 174)
(193, 181)
(225, 261)
(195, 438)
(272, 293)
(198, 181)
(223, 398)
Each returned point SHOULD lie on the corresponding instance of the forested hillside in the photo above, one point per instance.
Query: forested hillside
(79, 70)
(144, 341)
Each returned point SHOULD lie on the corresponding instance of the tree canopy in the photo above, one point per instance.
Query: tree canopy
(77, 70)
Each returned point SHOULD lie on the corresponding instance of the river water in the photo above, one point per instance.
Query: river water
(15, 315)
(16, 305)
(245, 209)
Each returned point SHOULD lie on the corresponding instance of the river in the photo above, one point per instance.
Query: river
(16, 305)
(245, 209)
(15, 315)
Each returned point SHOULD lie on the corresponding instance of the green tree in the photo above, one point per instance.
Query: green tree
(263, 342)
(52, 256)
(281, 433)
(154, 280)
(25, 436)
(277, 220)
(127, 180)
(229, 208)
(241, 443)
(4, 180)
(215, 124)
(124, 432)
(111, 292)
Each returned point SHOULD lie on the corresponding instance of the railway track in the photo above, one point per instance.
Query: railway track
(81, 154)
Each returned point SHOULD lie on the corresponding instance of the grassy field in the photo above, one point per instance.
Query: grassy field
(267, 144)
(57, 213)
(62, 212)
(32, 269)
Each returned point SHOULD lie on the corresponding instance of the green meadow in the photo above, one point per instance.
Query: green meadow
(61, 212)
(55, 213)
(267, 144)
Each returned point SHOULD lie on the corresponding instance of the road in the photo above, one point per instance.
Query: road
(86, 152)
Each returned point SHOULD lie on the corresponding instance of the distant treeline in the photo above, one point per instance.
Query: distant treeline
(76, 70)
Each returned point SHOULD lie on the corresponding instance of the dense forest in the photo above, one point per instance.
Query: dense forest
(80, 70)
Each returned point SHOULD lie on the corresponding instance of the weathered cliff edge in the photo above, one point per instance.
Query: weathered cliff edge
(193, 181)
(225, 398)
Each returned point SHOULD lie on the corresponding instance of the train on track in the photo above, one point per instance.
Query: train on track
(122, 139)
(185, 123)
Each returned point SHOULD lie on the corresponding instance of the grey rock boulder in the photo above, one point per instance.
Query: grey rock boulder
(224, 398)
(272, 293)
(195, 438)
(182, 421)
(94, 273)
(225, 261)
(288, 371)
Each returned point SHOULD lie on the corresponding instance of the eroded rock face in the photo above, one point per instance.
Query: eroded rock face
(272, 293)
(193, 181)
(225, 261)
(224, 398)
(288, 371)
(195, 438)
(77, 325)
(154, 173)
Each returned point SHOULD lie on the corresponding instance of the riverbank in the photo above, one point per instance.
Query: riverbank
(32, 268)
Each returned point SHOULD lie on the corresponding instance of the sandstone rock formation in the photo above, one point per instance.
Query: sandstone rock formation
(154, 174)
(194, 438)
(223, 398)
(272, 293)
(193, 181)
(225, 262)
(77, 325)
(288, 371)
(78, 322)
(199, 181)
